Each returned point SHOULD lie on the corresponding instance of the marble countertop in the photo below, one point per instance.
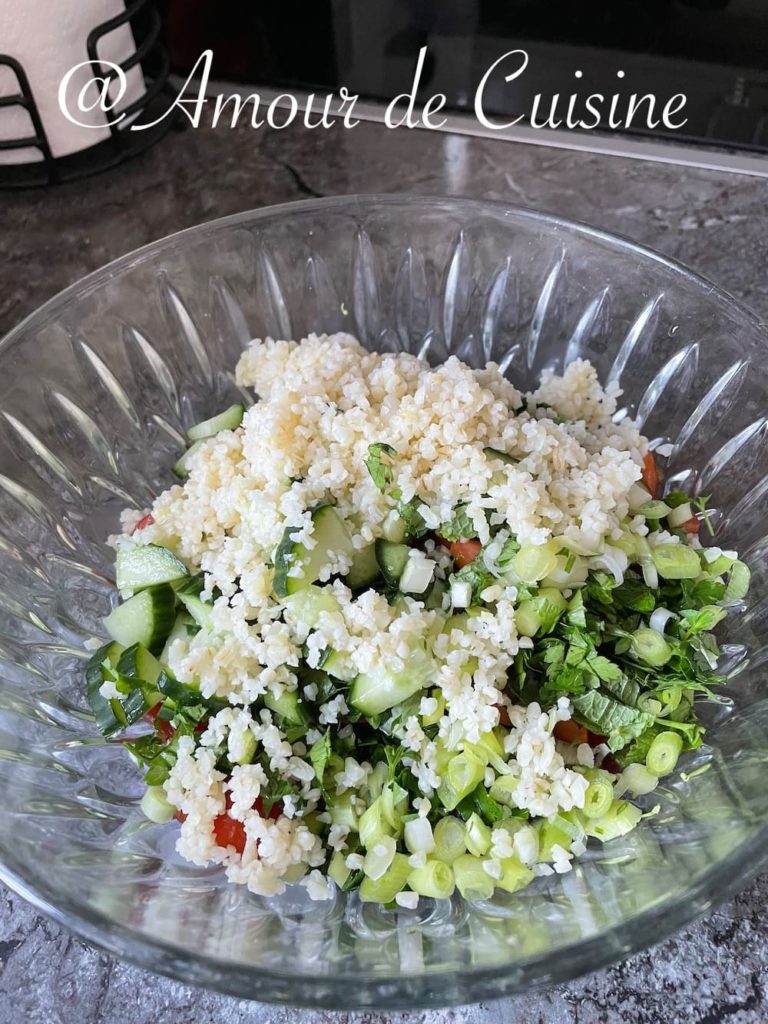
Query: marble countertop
(713, 971)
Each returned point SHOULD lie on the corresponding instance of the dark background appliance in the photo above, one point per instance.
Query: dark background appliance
(713, 51)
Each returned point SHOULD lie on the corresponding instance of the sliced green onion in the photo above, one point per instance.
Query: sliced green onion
(379, 857)
(155, 805)
(377, 780)
(515, 875)
(435, 880)
(659, 619)
(393, 881)
(550, 835)
(650, 575)
(650, 646)
(534, 561)
(597, 799)
(489, 745)
(569, 572)
(663, 753)
(394, 800)
(418, 836)
(503, 789)
(478, 837)
(680, 515)
(373, 825)
(638, 779)
(650, 703)
(439, 711)
(638, 496)
(338, 870)
(620, 819)
(472, 880)
(738, 583)
(527, 619)
(464, 772)
(676, 561)
(655, 510)
(719, 565)
(343, 812)
(450, 839)
(549, 605)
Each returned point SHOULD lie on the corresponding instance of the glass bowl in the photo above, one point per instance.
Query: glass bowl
(97, 388)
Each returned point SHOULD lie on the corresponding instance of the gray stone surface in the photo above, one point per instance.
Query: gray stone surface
(710, 973)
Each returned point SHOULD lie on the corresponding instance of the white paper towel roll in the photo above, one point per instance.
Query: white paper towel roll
(48, 38)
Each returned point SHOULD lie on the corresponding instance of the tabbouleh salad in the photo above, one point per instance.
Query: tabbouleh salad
(406, 631)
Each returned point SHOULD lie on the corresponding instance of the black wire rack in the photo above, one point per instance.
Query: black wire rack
(147, 26)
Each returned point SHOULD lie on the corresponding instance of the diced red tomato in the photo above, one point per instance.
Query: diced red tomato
(609, 762)
(692, 525)
(274, 812)
(503, 715)
(229, 832)
(163, 728)
(153, 712)
(570, 732)
(650, 474)
(465, 551)
(146, 520)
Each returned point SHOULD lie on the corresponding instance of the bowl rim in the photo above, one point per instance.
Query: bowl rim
(395, 991)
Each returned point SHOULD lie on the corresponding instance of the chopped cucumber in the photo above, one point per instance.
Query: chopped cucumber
(183, 627)
(144, 619)
(181, 467)
(378, 690)
(676, 561)
(137, 663)
(364, 570)
(339, 666)
(305, 606)
(230, 419)
(288, 706)
(155, 806)
(393, 528)
(296, 567)
(101, 667)
(200, 610)
(434, 598)
(392, 559)
(145, 565)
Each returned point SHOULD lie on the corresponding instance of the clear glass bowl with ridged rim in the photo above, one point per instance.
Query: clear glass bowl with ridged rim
(97, 387)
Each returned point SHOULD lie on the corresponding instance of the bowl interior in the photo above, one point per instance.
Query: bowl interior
(96, 389)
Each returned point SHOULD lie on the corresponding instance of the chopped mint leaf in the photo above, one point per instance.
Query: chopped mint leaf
(320, 754)
(476, 575)
(604, 669)
(608, 717)
(459, 526)
(379, 464)
(409, 512)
